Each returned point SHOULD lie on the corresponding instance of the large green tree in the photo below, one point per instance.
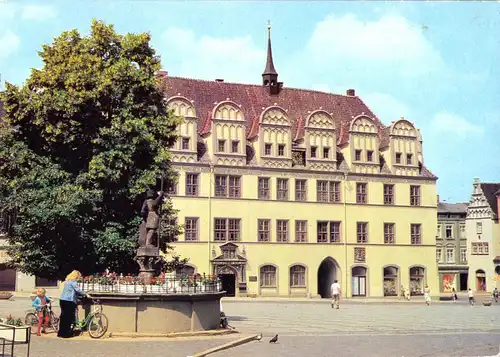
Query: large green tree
(81, 141)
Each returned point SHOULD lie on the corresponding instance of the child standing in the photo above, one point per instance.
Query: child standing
(427, 295)
(40, 304)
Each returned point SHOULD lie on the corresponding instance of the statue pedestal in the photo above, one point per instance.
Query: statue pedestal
(147, 257)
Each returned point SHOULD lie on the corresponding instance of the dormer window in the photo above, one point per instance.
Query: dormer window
(409, 159)
(369, 156)
(222, 145)
(281, 150)
(268, 148)
(398, 158)
(314, 149)
(185, 144)
(235, 145)
(357, 155)
(326, 153)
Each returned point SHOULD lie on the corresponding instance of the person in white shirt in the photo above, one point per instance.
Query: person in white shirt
(336, 291)
(427, 295)
(471, 297)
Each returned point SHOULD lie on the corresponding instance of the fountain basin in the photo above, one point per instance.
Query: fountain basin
(160, 313)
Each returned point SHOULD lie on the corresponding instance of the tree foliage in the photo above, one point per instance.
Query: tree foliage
(82, 140)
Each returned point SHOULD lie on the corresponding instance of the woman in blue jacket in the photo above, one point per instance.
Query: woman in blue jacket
(67, 301)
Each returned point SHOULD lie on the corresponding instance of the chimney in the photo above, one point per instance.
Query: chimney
(351, 93)
(220, 80)
(438, 198)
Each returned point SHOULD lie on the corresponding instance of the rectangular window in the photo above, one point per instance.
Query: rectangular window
(268, 149)
(297, 277)
(300, 231)
(281, 230)
(389, 233)
(222, 145)
(439, 231)
(449, 231)
(191, 184)
(264, 190)
(314, 149)
(264, 230)
(268, 276)
(220, 186)
(361, 193)
(328, 232)
(414, 195)
(409, 159)
(281, 150)
(220, 229)
(300, 190)
(191, 229)
(328, 191)
(235, 146)
(282, 189)
(416, 234)
(185, 143)
(439, 255)
(388, 194)
(227, 186)
(234, 229)
(450, 255)
(462, 230)
(362, 232)
(369, 156)
(357, 155)
(480, 248)
(463, 255)
(326, 153)
(398, 158)
(172, 189)
(479, 228)
(45, 282)
(234, 186)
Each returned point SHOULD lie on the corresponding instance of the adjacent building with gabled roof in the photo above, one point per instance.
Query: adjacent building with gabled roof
(483, 236)
(308, 187)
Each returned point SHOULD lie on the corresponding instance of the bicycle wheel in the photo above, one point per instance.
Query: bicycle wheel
(98, 325)
(54, 322)
(31, 320)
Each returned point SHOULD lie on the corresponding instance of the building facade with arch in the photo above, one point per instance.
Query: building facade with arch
(281, 191)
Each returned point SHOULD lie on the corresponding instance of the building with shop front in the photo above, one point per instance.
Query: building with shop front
(282, 190)
(451, 247)
(483, 236)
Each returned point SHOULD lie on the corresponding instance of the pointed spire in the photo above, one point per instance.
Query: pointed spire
(270, 70)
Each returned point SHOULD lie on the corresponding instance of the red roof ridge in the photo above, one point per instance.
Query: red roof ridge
(260, 85)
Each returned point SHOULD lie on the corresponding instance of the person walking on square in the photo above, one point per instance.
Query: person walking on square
(471, 297)
(454, 296)
(427, 295)
(67, 302)
(336, 290)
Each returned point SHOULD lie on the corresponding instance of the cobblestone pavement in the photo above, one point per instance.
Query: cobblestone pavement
(313, 329)
(462, 345)
(318, 318)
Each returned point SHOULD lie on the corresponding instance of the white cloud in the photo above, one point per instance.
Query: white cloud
(452, 124)
(235, 59)
(37, 12)
(386, 107)
(9, 43)
(392, 42)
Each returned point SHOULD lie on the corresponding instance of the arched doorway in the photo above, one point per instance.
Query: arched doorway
(227, 277)
(328, 272)
(480, 280)
(417, 281)
(358, 281)
(391, 281)
(7, 278)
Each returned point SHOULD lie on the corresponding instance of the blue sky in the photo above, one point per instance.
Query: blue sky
(435, 63)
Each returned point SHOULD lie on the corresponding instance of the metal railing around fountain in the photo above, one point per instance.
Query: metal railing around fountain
(169, 284)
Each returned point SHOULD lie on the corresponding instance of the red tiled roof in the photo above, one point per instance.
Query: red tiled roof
(299, 103)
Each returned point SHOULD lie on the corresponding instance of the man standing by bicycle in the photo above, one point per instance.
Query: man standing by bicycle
(40, 304)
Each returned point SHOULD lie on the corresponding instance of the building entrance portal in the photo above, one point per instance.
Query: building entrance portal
(327, 273)
(228, 282)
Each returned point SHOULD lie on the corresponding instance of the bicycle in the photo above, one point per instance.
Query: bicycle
(96, 322)
(31, 318)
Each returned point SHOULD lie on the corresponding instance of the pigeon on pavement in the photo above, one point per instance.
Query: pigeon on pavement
(274, 339)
